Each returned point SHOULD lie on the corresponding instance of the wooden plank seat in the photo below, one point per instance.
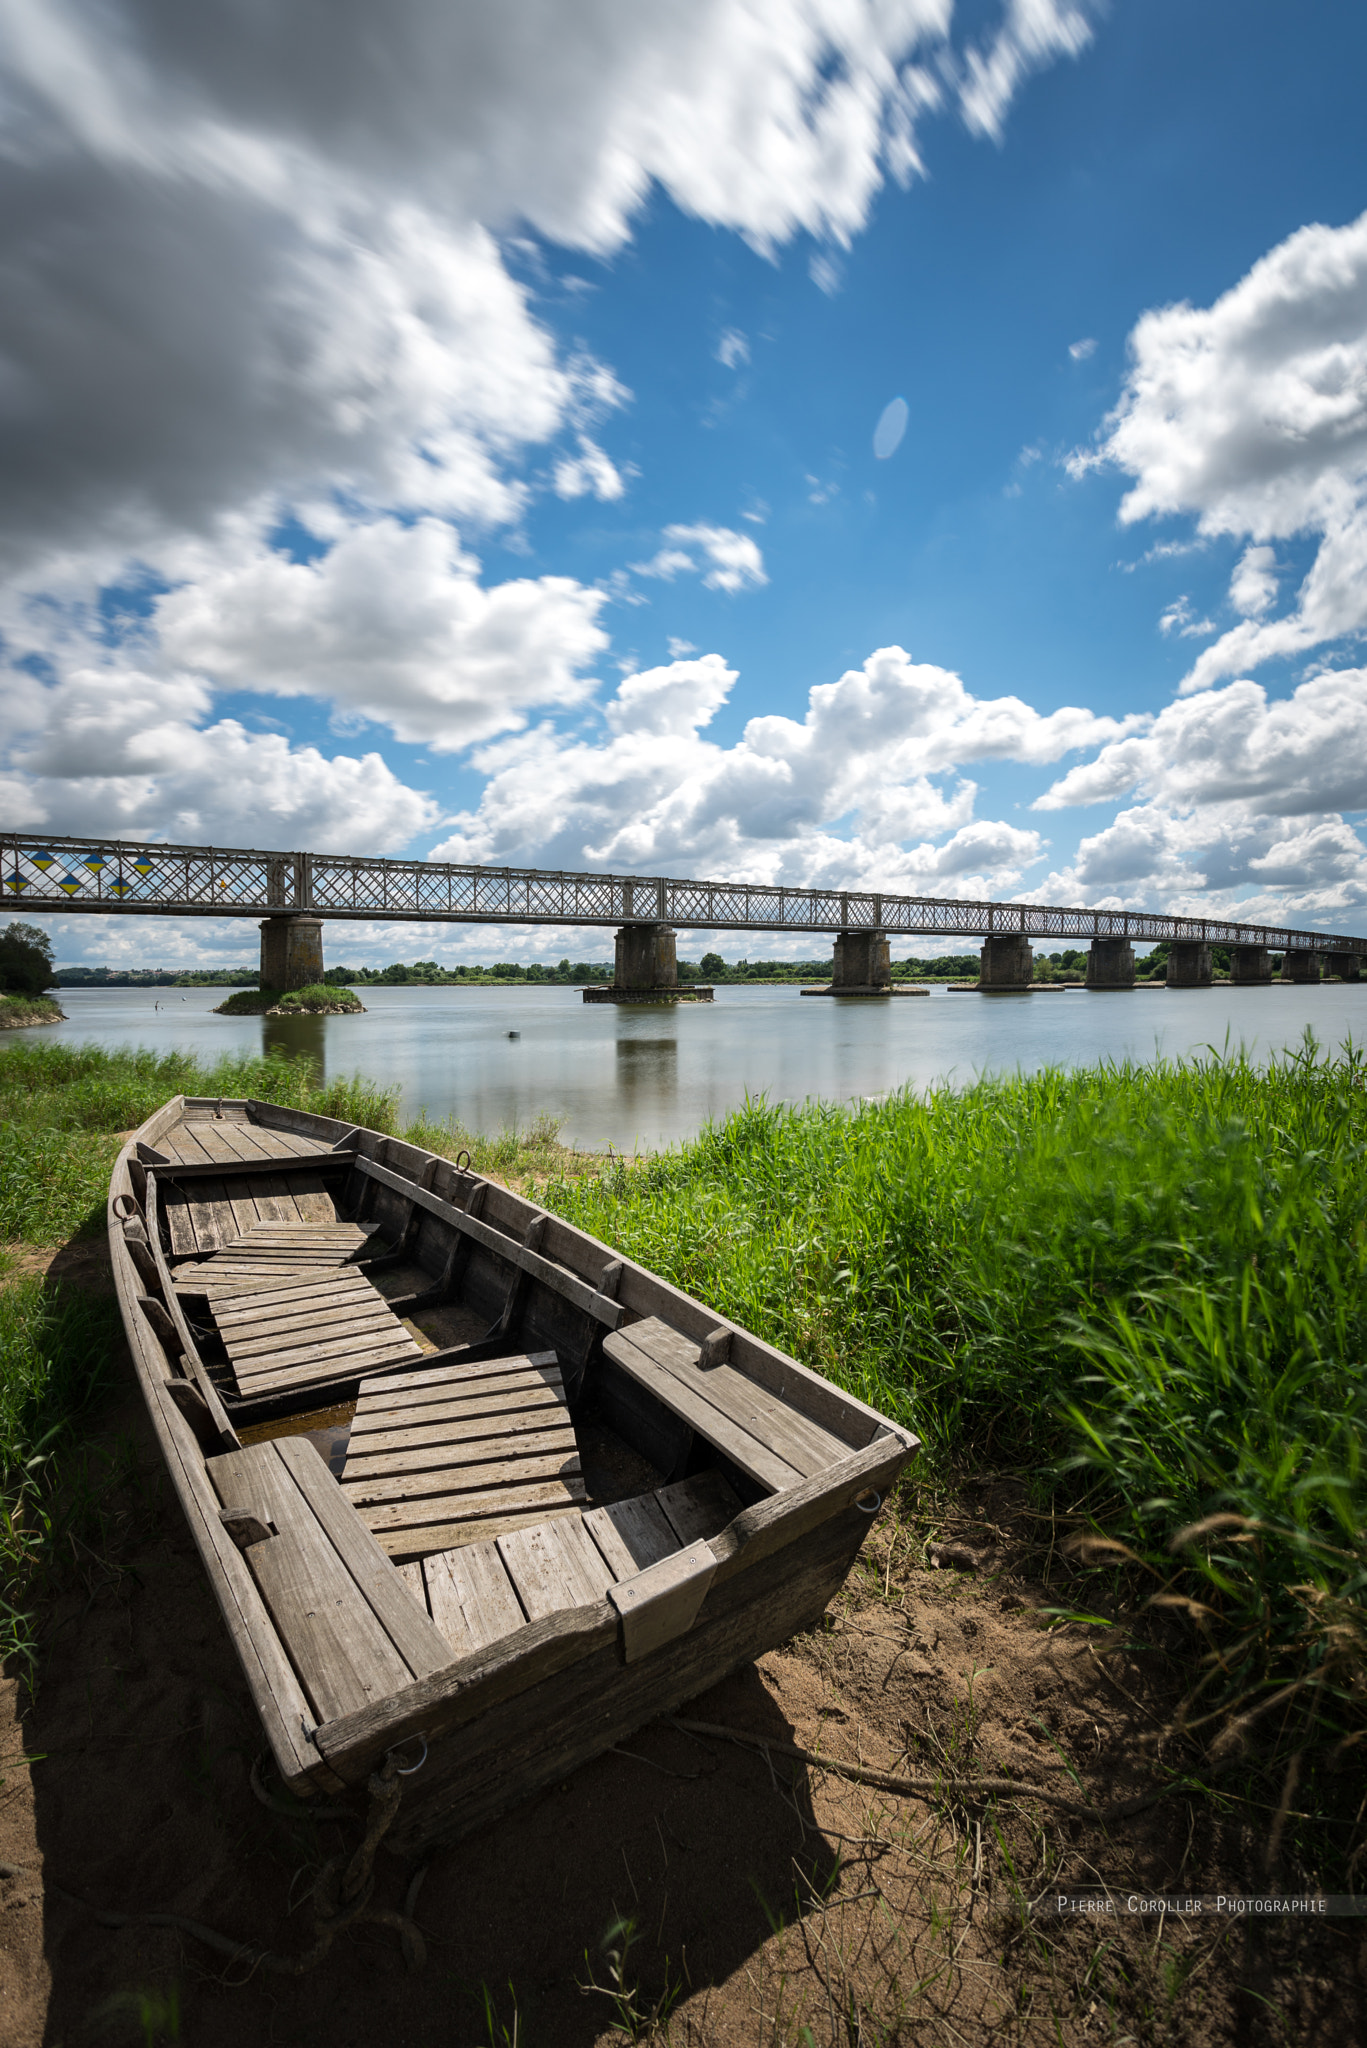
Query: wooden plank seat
(459, 1452)
(348, 1624)
(310, 1329)
(268, 1252)
(483, 1591)
(756, 1429)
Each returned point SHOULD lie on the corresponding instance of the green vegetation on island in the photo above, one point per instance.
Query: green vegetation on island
(317, 1000)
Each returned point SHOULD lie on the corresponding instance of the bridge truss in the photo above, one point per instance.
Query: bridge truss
(121, 877)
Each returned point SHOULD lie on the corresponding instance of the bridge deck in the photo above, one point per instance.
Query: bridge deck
(119, 877)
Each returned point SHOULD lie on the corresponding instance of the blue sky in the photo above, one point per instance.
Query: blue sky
(479, 459)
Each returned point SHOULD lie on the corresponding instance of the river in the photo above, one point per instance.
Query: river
(643, 1077)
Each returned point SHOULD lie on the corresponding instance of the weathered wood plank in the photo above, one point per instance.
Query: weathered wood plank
(222, 1160)
(730, 1437)
(428, 1538)
(411, 1574)
(455, 1508)
(342, 1654)
(180, 1223)
(448, 1481)
(554, 1565)
(285, 1711)
(800, 1442)
(422, 1647)
(471, 1596)
(631, 1534)
(334, 1323)
(412, 1388)
(335, 1377)
(243, 1310)
(513, 1423)
(662, 1602)
(359, 1355)
(558, 1447)
(698, 1507)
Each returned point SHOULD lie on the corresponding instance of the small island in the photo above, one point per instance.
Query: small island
(319, 1000)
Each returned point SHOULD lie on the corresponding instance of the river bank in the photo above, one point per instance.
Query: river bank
(19, 1013)
(1123, 1306)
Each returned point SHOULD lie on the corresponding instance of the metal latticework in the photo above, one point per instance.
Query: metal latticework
(103, 875)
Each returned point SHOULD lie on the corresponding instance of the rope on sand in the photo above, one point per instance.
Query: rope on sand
(961, 1788)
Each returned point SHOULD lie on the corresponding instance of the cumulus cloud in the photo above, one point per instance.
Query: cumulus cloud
(1250, 415)
(725, 559)
(849, 792)
(132, 755)
(588, 471)
(1301, 754)
(234, 269)
(391, 623)
(1236, 795)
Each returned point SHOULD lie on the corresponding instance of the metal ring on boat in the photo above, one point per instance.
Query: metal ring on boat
(861, 1501)
(125, 1208)
(407, 1770)
(463, 1155)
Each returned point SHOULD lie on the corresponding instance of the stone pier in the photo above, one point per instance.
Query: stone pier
(1347, 966)
(862, 966)
(291, 952)
(1008, 964)
(1110, 964)
(1250, 966)
(646, 969)
(1189, 964)
(1300, 967)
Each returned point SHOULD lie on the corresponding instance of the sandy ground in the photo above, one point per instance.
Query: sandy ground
(769, 1902)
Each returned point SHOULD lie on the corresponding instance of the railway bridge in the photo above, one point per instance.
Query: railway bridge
(292, 895)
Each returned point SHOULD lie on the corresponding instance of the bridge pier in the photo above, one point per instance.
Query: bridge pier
(1110, 964)
(862, 966)
(646, 969)
(1300, 966)
(1189, 964)
(1347, 966)
(1007, 964)
(1250, 967)
(291, 952)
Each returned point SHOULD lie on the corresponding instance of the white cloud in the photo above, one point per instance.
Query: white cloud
(829, 799)
(733, 349)
(1180, 618)
(1082, 351)
(1304, 754)
(1251, 416)
(393, 624)
(128, 754)
(1253, 586)
(729, 560)
(826, 272)
(679, 648)
(1032, 34)
(590, 470)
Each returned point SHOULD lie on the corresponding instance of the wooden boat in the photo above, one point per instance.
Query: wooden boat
(474, 1493)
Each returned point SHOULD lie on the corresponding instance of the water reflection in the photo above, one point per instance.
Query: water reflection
(648, 1066)
(295, 1035)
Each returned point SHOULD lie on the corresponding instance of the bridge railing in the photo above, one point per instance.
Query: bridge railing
(112, 876)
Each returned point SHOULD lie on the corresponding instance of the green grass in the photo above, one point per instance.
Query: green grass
(1144, 1285)
(63, 1109)
(17, 1011)
(318, 996)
